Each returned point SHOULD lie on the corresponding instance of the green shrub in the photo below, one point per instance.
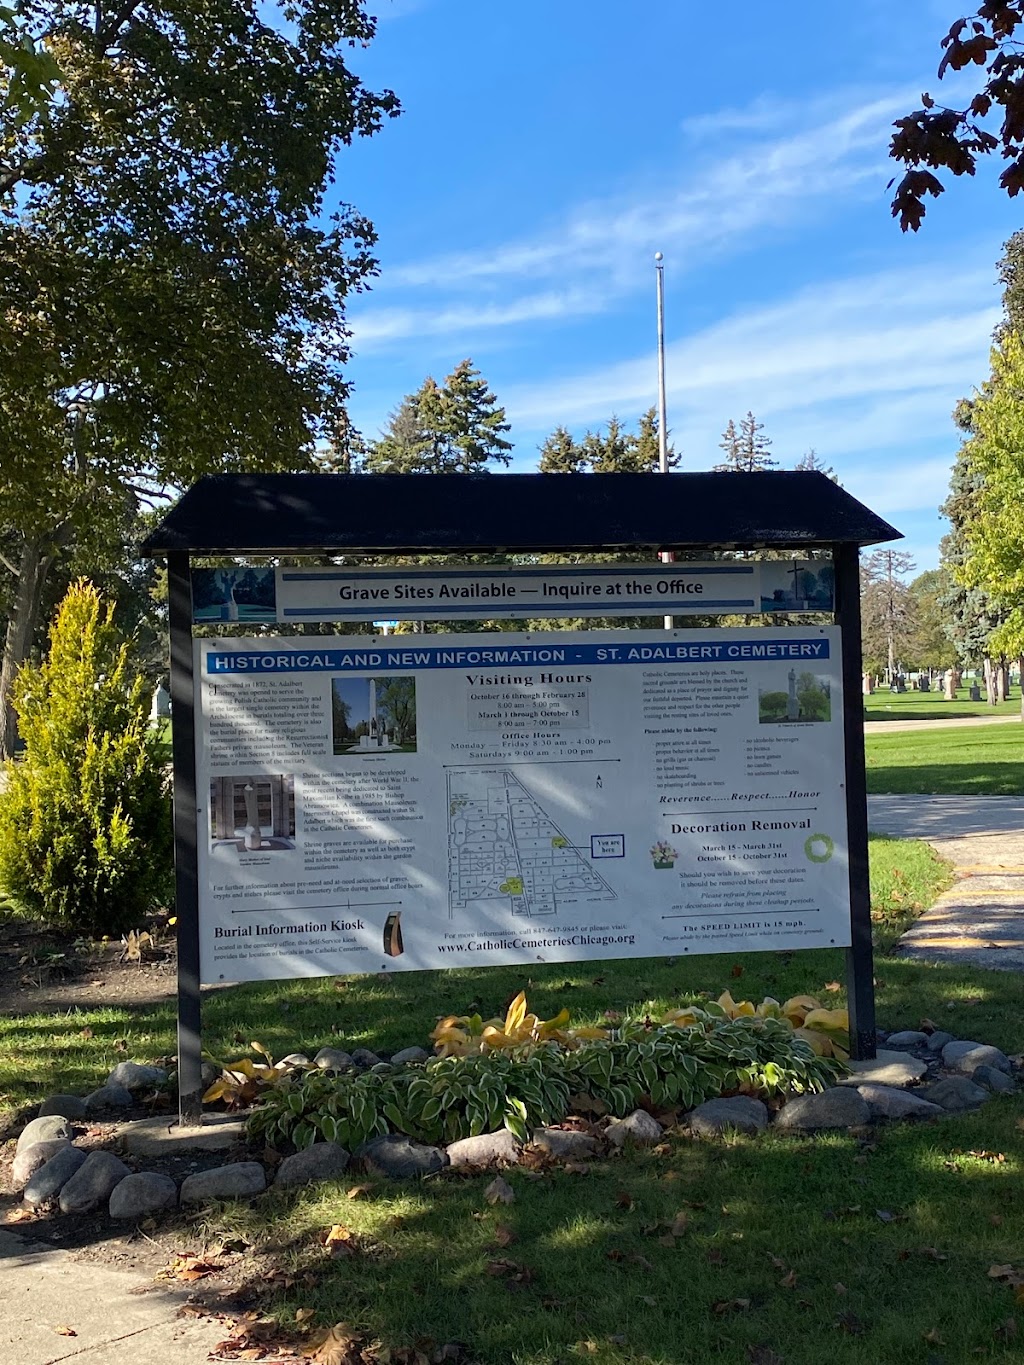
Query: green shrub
(460, 1096)
(85, 834)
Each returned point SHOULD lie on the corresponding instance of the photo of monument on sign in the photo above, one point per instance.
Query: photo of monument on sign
(797, 586)
(804, 697)
(253, 814)
(373, 716)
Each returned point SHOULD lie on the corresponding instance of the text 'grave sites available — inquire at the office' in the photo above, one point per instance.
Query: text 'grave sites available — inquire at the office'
(406, 803)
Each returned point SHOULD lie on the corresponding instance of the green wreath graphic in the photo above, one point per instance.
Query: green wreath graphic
(819, 848)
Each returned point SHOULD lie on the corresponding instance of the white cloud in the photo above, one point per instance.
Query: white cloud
(856, 366)
(377, 326)
(691, 213)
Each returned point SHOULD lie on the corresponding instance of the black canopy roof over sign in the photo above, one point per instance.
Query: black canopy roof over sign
(418, 514)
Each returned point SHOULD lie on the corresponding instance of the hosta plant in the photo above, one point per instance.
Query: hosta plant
(459, 1035)
(454, 1096)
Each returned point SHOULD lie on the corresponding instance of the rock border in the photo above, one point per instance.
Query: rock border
(915, 1076)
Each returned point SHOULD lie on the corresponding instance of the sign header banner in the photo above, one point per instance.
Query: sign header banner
(405, 594)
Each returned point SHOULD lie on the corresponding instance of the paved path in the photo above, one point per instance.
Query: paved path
(118, 1317)
(884, 727)
(980, 919)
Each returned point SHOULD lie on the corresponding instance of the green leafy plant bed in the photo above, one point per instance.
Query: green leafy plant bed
(671, 1066)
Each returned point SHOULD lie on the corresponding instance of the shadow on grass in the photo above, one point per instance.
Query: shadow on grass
(946, 779)
(887, 1240)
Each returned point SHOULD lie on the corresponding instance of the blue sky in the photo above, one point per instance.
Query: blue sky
(549, 147)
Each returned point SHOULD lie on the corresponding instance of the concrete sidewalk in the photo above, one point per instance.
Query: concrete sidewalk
(884, 727)
(118, 1317)
(980, 919)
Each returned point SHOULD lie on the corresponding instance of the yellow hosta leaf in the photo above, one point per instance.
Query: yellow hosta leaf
(769, 1008)
(743, 1010)
(588, 1033)
(217, 1091)
(799, 1005)
(559, 1021)
(727, 1003)
(833, 1021)
(516, 1012)
(819, 1044)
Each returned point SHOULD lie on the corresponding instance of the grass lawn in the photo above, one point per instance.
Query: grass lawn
(983, 760)
(832, 1249)
(905, 706)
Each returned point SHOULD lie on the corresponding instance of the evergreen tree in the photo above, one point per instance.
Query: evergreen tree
(746, 450)
(888, 610)
(561, 454)
(85, 830)
(812, 461)
(454, 428)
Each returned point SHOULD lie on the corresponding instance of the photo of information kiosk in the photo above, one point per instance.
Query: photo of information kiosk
(361, 802)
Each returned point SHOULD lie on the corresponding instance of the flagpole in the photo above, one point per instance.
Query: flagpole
(659, 270)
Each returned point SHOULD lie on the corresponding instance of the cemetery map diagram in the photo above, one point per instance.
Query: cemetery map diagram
(502, 844)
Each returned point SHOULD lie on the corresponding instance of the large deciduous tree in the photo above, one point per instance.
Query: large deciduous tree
(172, 282)
(939, 137)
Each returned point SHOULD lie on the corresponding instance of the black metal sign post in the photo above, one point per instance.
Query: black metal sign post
(186, 866)
(329, 515)
(860, 979)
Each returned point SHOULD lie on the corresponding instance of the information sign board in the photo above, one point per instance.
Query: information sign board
(377, 804)
(402, 594)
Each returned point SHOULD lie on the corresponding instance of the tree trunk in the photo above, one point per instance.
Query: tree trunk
(21, 629)
(1003, 680)
(990, 682)
(1020, 680)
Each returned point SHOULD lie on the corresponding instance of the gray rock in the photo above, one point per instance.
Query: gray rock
(137, 1076)
(955, 1093)
(294, 1059)
(740, 1114)
(139, 1195)
(30, 1158)
(489, 1149)
(45, 1129)
(209, 1073)
(887, 1102)
(411, 1054)
(992, 1079)
(906, 1038)
(93, 1182)
(966, 1057)
(885, 1068)
(938, 1040)
(67, 1106)
(639, 1128)
(840, 1107)
(237, 1181)
(50, 1179)
(565, 1143)
(363, 1057)
(399, 1157)
(162, 1137)
(322, 1161)
(109, 1096)
(332, 1059)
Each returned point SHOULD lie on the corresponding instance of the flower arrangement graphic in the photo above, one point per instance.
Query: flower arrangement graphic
(663, 854)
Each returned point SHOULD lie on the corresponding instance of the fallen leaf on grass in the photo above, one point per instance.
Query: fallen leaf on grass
(932, 1254)
(996, 1220)
(649, 1300)
(340, 1241)
(788, 1281)
(1009, 1273)
(510, 1271)
(586, 1348)
(499, 1191)
(839, 1288)
(679, 1223)
(503, 1235)
(933, 1337)
(832, 987)
(304, 1314)
(1007, 1330)
(21, 1216)
(737, 970)
(730, 1306)
(715, 1258)
(624, 1200)
(764, 1355)
(63, 1330)
(850, 1323)
(339, 1347)
(189, 1268)
(359, 1191)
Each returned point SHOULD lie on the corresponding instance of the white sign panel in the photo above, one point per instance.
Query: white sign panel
(380, 804)
(402, 594)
